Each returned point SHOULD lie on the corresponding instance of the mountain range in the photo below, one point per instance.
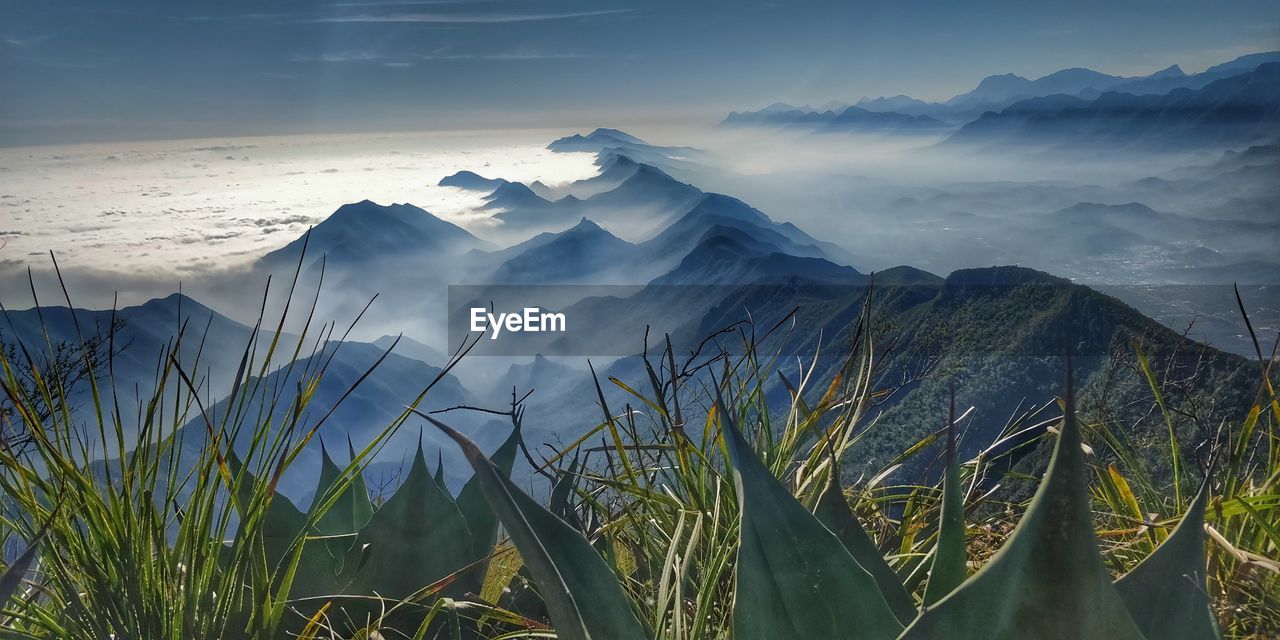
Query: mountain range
(1232, 111)
(1216, 111)
(699, 262)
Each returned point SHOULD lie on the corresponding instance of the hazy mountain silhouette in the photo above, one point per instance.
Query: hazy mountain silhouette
(584, 252)
(543, 376)
(361, 415)
(715, 210)
(1173, 78)
(1232, 111)
(471, 181)
(997, 92)
(365, 231)
(210, 348)
(595, 141)
(846, 120)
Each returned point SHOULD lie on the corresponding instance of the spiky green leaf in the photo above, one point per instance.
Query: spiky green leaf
(795, 578)
(833, 512)
(950, 557)
(1048, 581)
(480, 518)
(417, 538)
(583, 596)
(1166, 593)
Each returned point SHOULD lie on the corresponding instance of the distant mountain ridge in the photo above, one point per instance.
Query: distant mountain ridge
(704, 267)
(1241, 109)
(366, 230)
(471, 181)
(849, 119)
(997, 92)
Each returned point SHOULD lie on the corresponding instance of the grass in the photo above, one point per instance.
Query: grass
(152, 544)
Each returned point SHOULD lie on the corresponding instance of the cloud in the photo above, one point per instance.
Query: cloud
(443, 54)
(340, 56)
(469, 18)
(403, 3)
(24, 43)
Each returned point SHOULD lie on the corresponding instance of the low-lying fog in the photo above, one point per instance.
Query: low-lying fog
(141, 218)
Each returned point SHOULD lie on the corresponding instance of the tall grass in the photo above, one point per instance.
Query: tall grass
(165, 534)
(652, 476)
(153, 543)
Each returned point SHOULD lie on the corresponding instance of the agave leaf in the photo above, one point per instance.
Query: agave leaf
(481, 519)
(833, 512)
(417, 538)
(350, 513)
(283, 527)
(561, 491)
(1048, 581)
(583, 596)
(282, 522)
(1166, 592)
(361, 503)
(950, 558)
(795, 578)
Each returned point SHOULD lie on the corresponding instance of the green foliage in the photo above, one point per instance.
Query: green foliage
(795, 579)
(1048, 580)
(692, 519)
(1167, 592)
(581, 591)
(833, 512)
(950, 555)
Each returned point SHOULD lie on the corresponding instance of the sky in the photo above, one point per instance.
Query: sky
(83, 71)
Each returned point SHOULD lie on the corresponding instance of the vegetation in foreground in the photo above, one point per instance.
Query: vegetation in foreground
(698, 511)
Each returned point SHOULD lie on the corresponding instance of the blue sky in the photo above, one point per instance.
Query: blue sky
(132, 69)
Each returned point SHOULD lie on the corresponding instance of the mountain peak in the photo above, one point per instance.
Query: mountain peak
(596, 141)
(472, 181)
(604, 132)
(175, 301)
(586, 225)
(364, 230)
(1002, 80)
(1172, 71)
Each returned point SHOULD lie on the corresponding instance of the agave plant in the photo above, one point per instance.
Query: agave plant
(804, 575)
(361, 567)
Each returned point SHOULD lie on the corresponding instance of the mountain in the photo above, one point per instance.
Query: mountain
(583, 252)
(348, 410)
(1233, 111)
(714, 211)
(521, 210)
(595, 141)
(606, 142)
(471, 181)
(364, 231)
(996, 92)
(899, 103)
(645, 201)
(615, 169)
(731, 256)
(514, 195)
(858, 119)
(543, 376)
(1003, 89)
(143, 338)
(848, 119)
(997, 335)
(410, 348)
(1173, 77)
